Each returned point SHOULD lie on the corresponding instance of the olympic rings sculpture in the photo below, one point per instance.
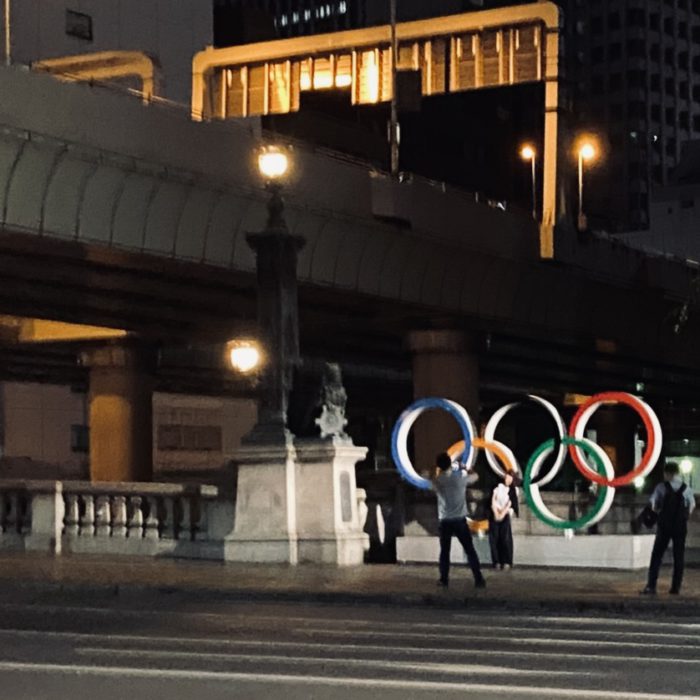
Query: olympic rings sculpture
(573, 442)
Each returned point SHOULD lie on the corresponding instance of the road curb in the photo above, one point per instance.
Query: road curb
(475, 602)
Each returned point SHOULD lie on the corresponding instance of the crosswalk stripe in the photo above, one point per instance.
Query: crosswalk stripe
(344, 647)
(373, 683)
(422, 666)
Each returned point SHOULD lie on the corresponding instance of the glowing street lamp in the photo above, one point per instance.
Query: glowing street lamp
(244, 355)
(273, 164)
(686, 467)
(528, 153)
(587, 152)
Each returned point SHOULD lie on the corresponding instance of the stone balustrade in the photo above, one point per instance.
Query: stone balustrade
(141, 519)
(113, 518)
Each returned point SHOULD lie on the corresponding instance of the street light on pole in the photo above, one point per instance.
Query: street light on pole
(278, 316)
(8, 38)
(394, 118)
(586, 152)
(528, 153)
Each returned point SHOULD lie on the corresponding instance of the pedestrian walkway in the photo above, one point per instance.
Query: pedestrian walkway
(549, 589)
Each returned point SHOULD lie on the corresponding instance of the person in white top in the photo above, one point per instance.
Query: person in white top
(504, 503)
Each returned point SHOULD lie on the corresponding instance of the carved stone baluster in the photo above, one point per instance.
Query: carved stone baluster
(170, 526)
(87, 520)
(11, 512)
(71, 521)
(200, 524)
(119, 516)
(151, 531)
(102, 516)
(24, 513)
(185, 531)
(3, 511)
(136, 519)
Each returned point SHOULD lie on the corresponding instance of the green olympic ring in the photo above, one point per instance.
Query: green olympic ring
(532, 491)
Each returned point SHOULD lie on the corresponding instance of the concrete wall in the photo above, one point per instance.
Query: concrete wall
(192, 434)
(37, 420)
(674, 223)
(171, 31)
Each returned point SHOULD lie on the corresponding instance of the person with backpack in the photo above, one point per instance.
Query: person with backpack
(674, 501)
(450, 485)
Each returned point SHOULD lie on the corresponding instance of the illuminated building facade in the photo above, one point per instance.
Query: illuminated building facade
(268, 78)
(450, 55)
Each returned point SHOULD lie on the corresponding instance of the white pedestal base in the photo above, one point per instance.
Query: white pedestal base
(265, 520)
(298, 503)
(586, 551)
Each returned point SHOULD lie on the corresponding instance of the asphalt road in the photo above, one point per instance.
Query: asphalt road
(65, 646)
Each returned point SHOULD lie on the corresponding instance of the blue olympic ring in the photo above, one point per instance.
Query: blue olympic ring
(399, 436)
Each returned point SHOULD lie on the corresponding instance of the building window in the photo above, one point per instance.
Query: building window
(614, 20)
(635, 17)
(636, 48)
(189, 437)
(614, 52)
(79, 25)
(80, 439)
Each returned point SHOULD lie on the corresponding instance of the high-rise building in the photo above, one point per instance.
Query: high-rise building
(244, 21)
(642, 90)
(631, 75)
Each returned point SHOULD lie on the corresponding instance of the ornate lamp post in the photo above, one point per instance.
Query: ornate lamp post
(276, 256)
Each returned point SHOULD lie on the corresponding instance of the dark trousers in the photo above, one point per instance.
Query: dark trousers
(661, 541)
(460, 530)
(501, 541)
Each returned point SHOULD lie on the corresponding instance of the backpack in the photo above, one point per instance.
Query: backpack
(674, 510)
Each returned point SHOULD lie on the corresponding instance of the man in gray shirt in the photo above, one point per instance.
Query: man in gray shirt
(450, 485)
(673, 500)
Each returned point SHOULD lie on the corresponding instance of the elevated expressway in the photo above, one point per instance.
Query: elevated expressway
(132, 217)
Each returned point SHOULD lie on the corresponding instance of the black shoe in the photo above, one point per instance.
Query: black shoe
(648, 590)
(442, 584)
(481, 583)
(675, 591)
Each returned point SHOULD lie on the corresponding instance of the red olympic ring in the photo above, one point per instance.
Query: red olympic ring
(632, 402)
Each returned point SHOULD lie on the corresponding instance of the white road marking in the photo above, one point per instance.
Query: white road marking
(370, 683)
(340, 647)
(446, 668)
(514, 640)
(529, 627)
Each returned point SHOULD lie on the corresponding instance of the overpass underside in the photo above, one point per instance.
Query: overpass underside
(132, 218)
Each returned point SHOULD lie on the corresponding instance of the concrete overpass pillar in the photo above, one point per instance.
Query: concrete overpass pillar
(446, 365)
(121, 413)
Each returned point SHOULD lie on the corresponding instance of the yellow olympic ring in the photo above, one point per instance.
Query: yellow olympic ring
(503, 454)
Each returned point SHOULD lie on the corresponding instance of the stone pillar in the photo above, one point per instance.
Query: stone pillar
(121, 413)
(265, 525)
(328, 522)
(445, 365)
(614, 427)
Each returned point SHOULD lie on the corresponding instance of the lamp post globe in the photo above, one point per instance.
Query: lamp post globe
(273, 163)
